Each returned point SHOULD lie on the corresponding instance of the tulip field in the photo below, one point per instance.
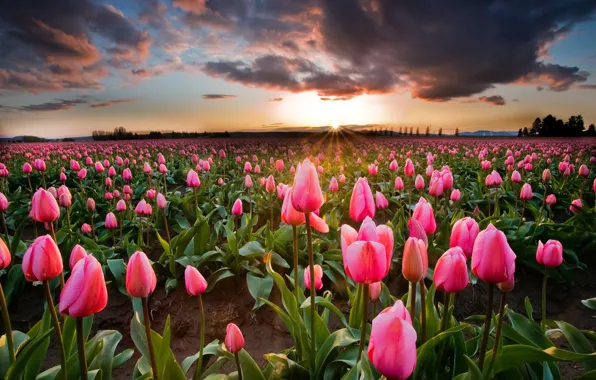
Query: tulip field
(321, 258)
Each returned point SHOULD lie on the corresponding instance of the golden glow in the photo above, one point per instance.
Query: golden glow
(334, 126)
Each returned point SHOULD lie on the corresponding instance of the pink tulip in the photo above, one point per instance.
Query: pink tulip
(44, 208)
(551, 199)
(333, 185)
(151, 193)
(279, 165)
(194, 281)
(362, 204)
(39, 165)
(237, 207)
(86, 228)
(381, 201)
(451, 271)
(409, 168)
(526, 192)
(121, 205)
(289, 215)
(162, 203)
(455, 195)
(463, 235)
(85, 292)
(493, 261)
(90, 204)
(546, 176)
(82, 174)
(435, 188)
(257, 169)
(42, 260)
(248, 181)
(306, 191)
(549, 254)
(127, 174)
(234, 340)
(374, 291)
(27, 169)
(516, 177)
(392, 345)
(414, 260)
(341, 178)
(192, 179)
(576, 206)
(140, 277)
(111, 172)
(111, 223)
(416, 230)
(247, 167)
(399, 184)
(99, 167)
(583, 171)
(367, 253)
(393, 166)
(108, 196)
(3, 202)
(270, 184)
(62, 177)
(423, 213)
(419, 182)
(5, 257)
(318, 277)
(76, 254)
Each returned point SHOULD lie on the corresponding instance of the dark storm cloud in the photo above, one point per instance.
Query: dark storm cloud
(496, 100)
(299, 74)
(218, 96)
(458, 48)
(50, 45)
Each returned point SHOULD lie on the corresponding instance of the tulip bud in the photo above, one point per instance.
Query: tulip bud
(306, 193)
(451, 271)
(493, 260)
(3, 202)
(374, 291)
(463, 235)
(415, 260)
(5, 257)
(192, 179)
(455, 195)
(248, 181)
(121, 205)
(270, 184)
(361, 203)
(237, 207)
(333, 185)
(162, 203)
(44, 207)
(86, 228)
(526, 192)
(90, 204)
(111, 223)
(551, 199)
(194, 281)
(381, 201)
(549, 254)
(318, 277)
(85, 292)
(42, 260)
(234, 340)
(140, 277)
(423, 213)
(76, 254)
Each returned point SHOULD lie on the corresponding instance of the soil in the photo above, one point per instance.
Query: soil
(264, 331)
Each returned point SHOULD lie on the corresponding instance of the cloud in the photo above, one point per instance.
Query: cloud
(56, 105)
(112, 103)
(275, 99)
(218, 96)
(556, 77)
(496, 100)
(587, 87)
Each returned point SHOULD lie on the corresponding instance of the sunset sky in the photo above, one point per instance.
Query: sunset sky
(68, 67)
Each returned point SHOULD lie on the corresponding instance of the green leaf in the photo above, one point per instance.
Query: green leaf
(18, 339)
(210, 349)
(252, 249)
(122, 358)
(259, 287)
(105, 361)
(26, 352)
(339, 339)
(579, 342)
(286, 368)
(15, 282)
(250, 369)
(16, 238)
(426, 351)
(217, 276)
(118, 269)
(590, 303)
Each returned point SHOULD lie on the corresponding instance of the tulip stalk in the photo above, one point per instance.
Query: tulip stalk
(165, 223)
(53, 235)
(238, 365)
(544, 280)
(412, 299)
(295, 244)
(487, 323)
(199, 368)
(7, 327)
(29, 182)
(147, 323)
(422, 311)
(364, 320)
(249, 203)
(57, 328)
(5, 227)
(313, 291)
(81, 348)
(498, 332)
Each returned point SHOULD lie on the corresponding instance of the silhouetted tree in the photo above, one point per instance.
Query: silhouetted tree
(537, 126)
(575, 125)
(457, 132)
(417, 131)
(440, 132)
(411, 131)
(591, 130)
(526, 133)
(519, 133)
(427, 133)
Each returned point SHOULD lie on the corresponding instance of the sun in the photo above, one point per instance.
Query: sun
(335, 125)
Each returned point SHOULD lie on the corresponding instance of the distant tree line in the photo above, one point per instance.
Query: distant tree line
(550, 126)
(403, 131)
(120, 133)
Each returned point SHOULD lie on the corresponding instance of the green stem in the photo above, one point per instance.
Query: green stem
(543, 321)
(81, 349)
(57, 328)
(296, 286)
(53, 235)
(7, 328)
(238, 366)
(149, 340)
(313, 294)
(196, 201)
(199, 368)
(413, 300)
(498, 332)
(364, 320)
(422, 311)
(249, 204)
(487, 323)
(5, 228)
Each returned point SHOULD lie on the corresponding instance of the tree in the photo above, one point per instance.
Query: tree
(591, 130)
(440, 132)
(417, 131)
(575, 125)
(519, 133)
(411, 131)
(526, 132)
(548, 127)
(457, 132)
(427, 131)
(537, 126)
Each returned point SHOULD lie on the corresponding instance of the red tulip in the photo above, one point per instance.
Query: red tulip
(85, 292)
(5, 257)
(493, 261)
(551, 199)
(306, 191)
(362, 204)
(86, 228)
(140, 277)
(549, 254)
(576, 206)
(194, 281)
(42, 260)
(234, 340)
(451, 271)
(44, 207)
